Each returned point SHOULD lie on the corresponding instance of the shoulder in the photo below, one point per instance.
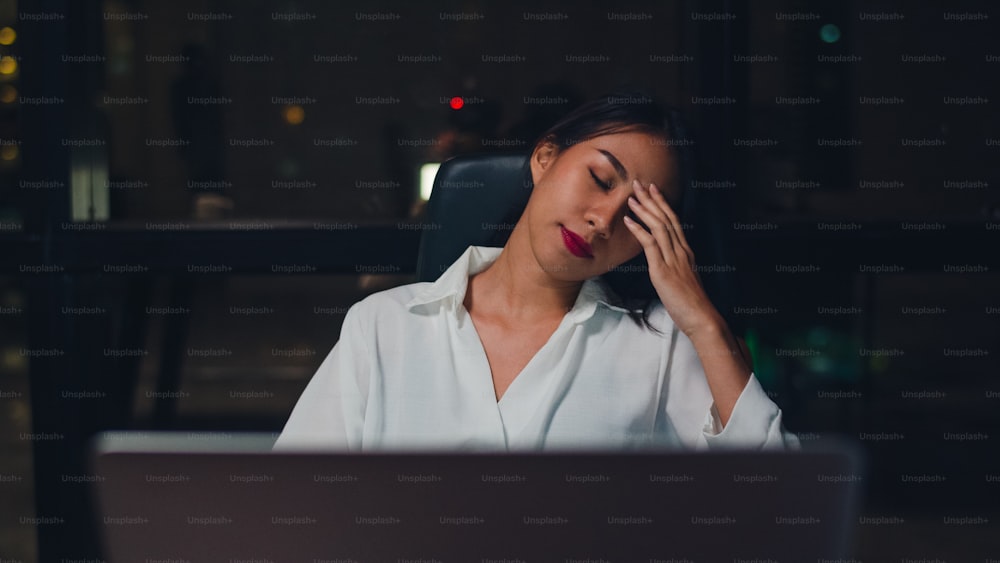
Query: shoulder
(388, 303)
(383, 314)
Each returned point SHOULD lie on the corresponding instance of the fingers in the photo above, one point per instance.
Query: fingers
(672, 221)
(642, 235)
(654, 256)
(649, 211)
(655, 225)
(644, 196)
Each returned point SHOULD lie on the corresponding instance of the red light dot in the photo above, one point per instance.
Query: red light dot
(457, 103)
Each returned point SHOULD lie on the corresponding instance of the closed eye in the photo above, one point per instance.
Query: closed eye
(604, 186)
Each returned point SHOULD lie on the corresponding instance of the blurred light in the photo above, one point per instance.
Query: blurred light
(427, 173)
(9, 152)
(13, 360)
(293, 115)
(7, 36)
(829, 33)
(8, 65)
(13, 298)
(878, 364)
(8, 94)
(456, 103)
(818, 336)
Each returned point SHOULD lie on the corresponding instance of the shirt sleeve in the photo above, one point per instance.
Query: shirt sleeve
(755, 422)
(330, 412)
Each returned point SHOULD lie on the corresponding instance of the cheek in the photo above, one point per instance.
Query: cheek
(549, 194)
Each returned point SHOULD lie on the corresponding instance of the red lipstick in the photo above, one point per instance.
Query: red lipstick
(575, 244)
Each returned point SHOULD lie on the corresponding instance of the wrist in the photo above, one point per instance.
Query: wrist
(712, 327)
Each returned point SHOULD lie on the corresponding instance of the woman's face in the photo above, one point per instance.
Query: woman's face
(575, 215)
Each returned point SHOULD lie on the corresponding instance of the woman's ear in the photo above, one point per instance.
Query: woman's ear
(542, 157)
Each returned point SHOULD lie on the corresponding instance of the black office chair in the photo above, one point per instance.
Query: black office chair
(475, 201)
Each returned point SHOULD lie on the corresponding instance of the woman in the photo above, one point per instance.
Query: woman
(526, 347)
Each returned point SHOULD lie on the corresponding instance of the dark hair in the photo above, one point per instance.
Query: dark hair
(629, 283)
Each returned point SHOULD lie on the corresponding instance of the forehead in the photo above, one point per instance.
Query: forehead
(646, 157)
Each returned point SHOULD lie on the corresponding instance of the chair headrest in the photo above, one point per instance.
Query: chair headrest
(475, 201)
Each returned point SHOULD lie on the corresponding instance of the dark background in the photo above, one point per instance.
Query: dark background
(129, 268)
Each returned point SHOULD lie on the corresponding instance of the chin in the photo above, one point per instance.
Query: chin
(553, 259)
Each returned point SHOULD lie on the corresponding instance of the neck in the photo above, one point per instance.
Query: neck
(516, 288)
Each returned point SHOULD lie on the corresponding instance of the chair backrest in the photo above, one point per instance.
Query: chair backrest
(476, 200)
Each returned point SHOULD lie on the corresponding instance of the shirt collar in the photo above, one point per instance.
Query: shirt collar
(449, 288)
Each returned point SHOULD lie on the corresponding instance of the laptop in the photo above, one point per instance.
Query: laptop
(225, 497)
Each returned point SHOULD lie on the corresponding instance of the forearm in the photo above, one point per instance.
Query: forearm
(722, 359)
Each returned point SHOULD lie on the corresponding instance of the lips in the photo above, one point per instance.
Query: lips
(575, 244)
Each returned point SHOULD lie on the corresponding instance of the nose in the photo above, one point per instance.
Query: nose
(603, 217)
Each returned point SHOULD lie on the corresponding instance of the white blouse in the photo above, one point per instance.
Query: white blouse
(409, 372)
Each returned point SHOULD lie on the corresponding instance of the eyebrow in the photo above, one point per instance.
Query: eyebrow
(622, 173)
